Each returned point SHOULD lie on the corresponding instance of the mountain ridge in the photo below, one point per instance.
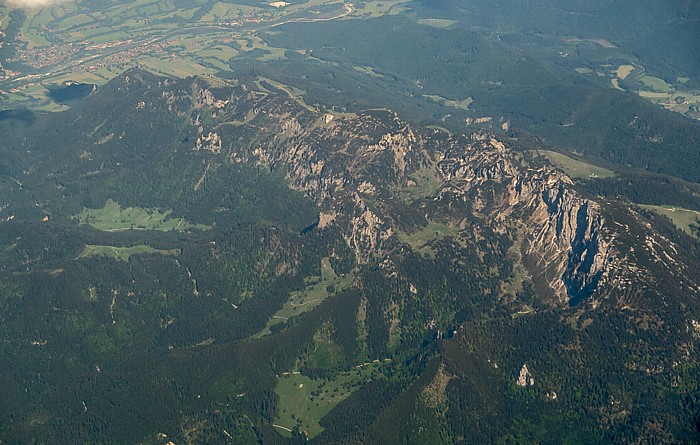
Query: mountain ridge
(468, 260)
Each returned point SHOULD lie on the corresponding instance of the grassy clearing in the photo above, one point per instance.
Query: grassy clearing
(655, 83)
(653, 95)
(380, 8)
(520, 273)
(220, 52)
(604, 43)
(226, 11)
(97, 77)
(692, 97)
(317, 289)
(303, 402)
(682, 218)
(367, 70)
(420, 240)
(460, 104)
(294, 93)
(34, 41)
(4, 19)
(623, 71)
(437, 127)
(256, 43)
(424, 183)
(573, 167)
(437, 23)
(583, 70)
(112, 218)
(122, 253)
(179, 68)
(75, 21)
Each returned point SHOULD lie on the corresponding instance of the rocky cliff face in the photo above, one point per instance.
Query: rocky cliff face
(363, 170)
(564, 242)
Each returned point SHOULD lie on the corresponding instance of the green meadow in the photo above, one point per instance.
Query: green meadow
(113, 218)
(122, 253)
(682, 218)
(303, 402)
(317, 289)
(573, 167)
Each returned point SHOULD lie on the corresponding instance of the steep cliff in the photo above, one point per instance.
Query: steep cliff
(362, 171)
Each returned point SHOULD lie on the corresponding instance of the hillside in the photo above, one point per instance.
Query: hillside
(210, 262)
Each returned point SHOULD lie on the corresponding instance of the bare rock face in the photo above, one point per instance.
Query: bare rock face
(525, 378)
(363, 170)
(564, 234)
(210, 142)
(564, 242)
(368, 231)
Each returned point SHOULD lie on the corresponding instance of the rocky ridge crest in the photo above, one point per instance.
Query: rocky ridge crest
(362, 170)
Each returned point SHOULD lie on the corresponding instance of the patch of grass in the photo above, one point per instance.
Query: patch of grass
(437, 127)
(420, 239)
(75, 21)
(380, 8)
(424, 183)
(367, 70)
(219, 52)
(4, 20)
(623, 71)
(514, 285)
(682, 218)
(604, 43)
(653, 95)
(584, 70)
(35, 41)
(460, 104)
(122, 253)
(294, 93)
(177, 68)
(655, 83)
(112, 218)
(97, 77)
(303, 402)
(317, 289)
(226, 11)
(437, 23)
(573, 167)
